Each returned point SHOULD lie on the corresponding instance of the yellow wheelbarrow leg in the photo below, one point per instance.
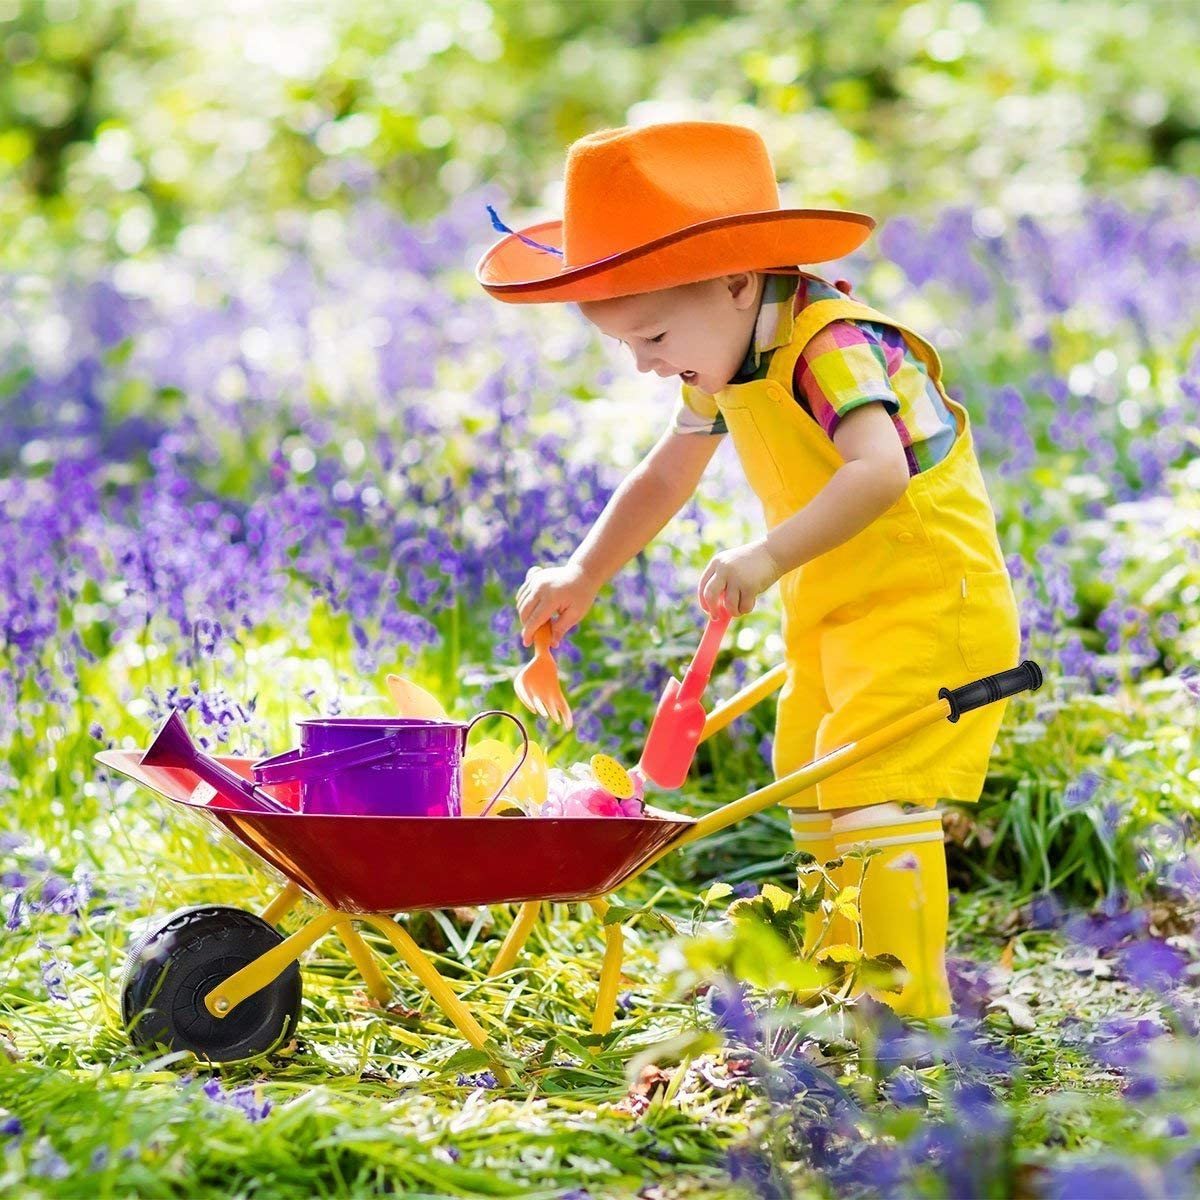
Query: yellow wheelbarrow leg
(610, 972)
(364, 960)
(255, 976)
(518, 933)
(281, 905)
(443, 995)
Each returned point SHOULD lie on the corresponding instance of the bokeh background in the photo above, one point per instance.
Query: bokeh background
(266, 440)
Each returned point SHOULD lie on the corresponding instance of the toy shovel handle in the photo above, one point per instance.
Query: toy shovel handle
(500, 712)
(695, 679)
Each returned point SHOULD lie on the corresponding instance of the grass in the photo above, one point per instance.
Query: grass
(373, 1101)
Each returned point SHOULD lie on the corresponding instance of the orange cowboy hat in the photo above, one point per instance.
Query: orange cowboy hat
(660, 206)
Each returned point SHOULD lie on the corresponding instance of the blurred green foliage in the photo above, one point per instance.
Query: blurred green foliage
(123, 120)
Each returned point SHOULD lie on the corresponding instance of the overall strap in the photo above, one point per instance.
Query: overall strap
(814, 317)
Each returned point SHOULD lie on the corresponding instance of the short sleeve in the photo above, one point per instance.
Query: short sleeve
(842, 368)
(697, 412)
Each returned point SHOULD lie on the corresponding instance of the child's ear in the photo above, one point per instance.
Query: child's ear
(743, 287)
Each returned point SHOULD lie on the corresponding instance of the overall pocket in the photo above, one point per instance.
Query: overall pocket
(758, 460)
(989, 627)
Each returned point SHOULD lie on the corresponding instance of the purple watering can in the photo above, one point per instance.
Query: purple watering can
(380, 766)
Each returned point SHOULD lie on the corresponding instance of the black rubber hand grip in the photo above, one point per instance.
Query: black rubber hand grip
(1025, 678)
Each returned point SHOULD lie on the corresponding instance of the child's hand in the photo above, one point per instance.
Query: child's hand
(564, 590)
(738, 575)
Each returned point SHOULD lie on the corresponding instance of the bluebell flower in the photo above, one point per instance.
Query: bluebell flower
(46, 1162)
(1079, 791)
(243, 1099)
(1108, 1180)
(753, 1168)
(1105, 930)
(1151, 963)
(970, 987)
(905, 1090)
(877, 1167)
(484, 1079)
(727, 1001)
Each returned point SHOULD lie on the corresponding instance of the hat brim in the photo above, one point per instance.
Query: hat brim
(518, 273)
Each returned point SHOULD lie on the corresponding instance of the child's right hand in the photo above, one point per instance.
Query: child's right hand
(564, 590)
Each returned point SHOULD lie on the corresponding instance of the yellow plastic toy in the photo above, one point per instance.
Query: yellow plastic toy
(612, 777)
(412, 700)
(487, 763)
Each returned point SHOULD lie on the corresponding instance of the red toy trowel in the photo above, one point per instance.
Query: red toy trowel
(675, 732)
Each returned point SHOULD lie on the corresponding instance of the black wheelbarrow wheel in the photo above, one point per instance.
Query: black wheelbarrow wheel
(173, 966)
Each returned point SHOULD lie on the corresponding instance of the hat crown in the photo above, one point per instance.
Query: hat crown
(625, 187)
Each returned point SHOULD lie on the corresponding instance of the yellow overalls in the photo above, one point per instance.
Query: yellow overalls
(919, 600)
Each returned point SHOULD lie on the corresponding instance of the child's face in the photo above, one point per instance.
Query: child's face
(700, 331)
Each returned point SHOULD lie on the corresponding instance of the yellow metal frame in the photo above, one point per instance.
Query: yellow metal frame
(729, 814)
(253, 977)
(265, 969)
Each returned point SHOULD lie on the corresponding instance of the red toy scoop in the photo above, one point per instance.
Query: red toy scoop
(675, 732)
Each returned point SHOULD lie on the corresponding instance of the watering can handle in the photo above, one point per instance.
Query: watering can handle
(294, 766)
(499, 712)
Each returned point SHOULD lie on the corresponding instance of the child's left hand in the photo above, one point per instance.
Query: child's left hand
(739, 575)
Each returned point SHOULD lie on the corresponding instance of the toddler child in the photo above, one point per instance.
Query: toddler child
(879, 530)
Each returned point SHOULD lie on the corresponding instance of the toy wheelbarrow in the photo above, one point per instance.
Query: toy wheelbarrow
(225, 983)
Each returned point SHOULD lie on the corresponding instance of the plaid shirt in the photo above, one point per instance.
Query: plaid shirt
(847, 364)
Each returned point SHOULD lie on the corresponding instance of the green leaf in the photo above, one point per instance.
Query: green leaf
(718, 891)
(778, 898)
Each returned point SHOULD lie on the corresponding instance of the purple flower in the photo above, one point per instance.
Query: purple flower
(1104, 931)
(1045, 911)
(1094, 1181)
(1123, 1041)
(484, 1079)
(876, 1167)
(12, 1129)
(976, 1108)
(970, 987)
(1140, 1087)
(1079, 791)
(796, 1079)
(754, 1169)
(47, 1162)
(243, 1099)
(59, 896)
(732, 1013)
(905, 1090)
(1184, 875)
(1152, 964)
(53, 978)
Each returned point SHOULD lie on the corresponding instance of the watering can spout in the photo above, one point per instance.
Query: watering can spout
(173, 747)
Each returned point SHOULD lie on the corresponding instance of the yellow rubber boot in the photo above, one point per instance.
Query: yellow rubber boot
(812, 832)
(905, 900)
